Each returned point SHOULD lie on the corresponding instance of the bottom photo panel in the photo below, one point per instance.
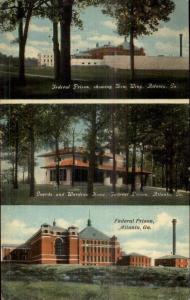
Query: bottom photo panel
(95, 252)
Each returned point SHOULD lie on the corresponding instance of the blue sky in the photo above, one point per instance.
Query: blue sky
(20, 222)
(101, 28)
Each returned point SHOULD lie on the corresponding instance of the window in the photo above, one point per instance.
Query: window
(62, 175)
(58, 247)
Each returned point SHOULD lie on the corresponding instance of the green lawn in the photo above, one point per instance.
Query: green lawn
(73, 291)
(48, 282)
(86, 80)
(47, 194)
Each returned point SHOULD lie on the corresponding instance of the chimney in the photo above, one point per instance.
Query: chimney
(181, 44)
(174, 221)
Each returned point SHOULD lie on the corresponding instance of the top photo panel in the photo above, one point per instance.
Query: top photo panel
(95, 49)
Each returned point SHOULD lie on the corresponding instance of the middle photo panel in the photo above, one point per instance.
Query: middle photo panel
(122, 154)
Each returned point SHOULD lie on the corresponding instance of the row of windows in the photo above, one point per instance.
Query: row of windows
(97, 258)
(99, 249)
(48, 61)
(95, 242)
(139, 259)
(53, 232)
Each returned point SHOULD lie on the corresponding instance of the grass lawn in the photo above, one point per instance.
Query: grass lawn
(45, 282)
(73, 291)
(174, 84)
(47, 194)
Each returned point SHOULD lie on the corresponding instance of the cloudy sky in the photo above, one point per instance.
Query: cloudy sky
(100, 28)
(20, 222)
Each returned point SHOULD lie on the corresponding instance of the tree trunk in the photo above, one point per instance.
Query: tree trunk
(56, 51)
(126, 147)
(92, 153)
(16, 155)
(28, 169)
(167, 181)
(57, 163)
(132, 48)
(32, 163)
(22, 78)
(163, 176)
(113, 151)
(22, 36)
(73, 164)
(65, 54)
(176, 177)
(142, 167)
(133, 175)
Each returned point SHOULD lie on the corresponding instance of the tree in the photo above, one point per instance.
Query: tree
(56, 125)
(63, 14)
(137, 18)
(95, 117)
(19, 13)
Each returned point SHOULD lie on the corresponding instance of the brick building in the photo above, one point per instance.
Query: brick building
(177, 261)
(109, 50)
(135, 260)
(73, 165)
(173, 260)
(56, 245)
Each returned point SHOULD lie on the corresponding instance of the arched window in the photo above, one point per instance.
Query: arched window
(58, 247)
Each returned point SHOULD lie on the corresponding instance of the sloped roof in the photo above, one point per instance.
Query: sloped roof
(135, 254)
(81, 164)
(92, 233)
(172, 257)
(54, 228)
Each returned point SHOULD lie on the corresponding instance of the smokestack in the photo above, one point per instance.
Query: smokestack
(174, 221)
(181, 44)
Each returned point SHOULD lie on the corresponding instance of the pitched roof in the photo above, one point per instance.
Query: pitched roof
(172, 257)
(135, 254)
(92, 233)
(81, 164)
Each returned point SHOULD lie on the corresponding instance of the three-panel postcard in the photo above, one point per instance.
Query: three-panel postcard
(94, 149)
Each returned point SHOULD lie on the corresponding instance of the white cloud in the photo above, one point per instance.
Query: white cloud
(36, 28)
(110, 24)
(32, 52)
(164, 220)
(9, 36)
(16, 231)
(39, 43)
(166, 32)
(105, 38)
(9, 49)
(170, 48)
(65, 224)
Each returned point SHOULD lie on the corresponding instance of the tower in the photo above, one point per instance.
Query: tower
(174, 221)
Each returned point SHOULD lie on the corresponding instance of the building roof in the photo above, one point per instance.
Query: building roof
(172, 257)
(135, 254)
(126, 45)
(92, 233)
(53, 228)
(81, 164)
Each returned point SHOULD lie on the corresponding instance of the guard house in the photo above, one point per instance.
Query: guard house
(75, 164)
